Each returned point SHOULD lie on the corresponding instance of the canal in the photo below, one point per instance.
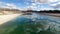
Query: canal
(32, 24)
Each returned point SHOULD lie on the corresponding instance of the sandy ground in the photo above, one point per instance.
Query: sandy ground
(5, 18)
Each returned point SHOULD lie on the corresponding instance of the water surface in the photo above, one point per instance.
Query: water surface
(32, 24)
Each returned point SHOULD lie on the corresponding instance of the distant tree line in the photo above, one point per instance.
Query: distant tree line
(45, 11)
(50, 11)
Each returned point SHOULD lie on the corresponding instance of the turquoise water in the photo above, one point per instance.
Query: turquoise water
(32, 24)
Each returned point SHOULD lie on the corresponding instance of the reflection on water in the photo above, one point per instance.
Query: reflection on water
(32, 24)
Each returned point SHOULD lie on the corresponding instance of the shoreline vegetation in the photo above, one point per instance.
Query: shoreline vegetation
(54, 13)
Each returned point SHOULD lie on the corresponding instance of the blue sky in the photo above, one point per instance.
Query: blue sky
(31, 4)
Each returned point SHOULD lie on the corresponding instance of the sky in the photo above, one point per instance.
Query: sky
(31, 4)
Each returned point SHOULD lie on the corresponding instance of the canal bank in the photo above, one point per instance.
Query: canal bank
(6, 18)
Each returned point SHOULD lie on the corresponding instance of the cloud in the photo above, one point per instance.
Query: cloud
(37, 7)
(30, 7)
(8, 5)
(55, 5)
(43, 1)
(46, 9)
(33, 5)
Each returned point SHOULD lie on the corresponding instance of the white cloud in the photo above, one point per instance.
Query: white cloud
(43, 1)
(51, 3)
(55, 5)
(30, 7)
(8, 5)
(33, 5)
(46, 9)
